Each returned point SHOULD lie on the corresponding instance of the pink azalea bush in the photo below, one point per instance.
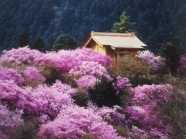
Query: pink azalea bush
(86, 82)
(11, 94)
(11, 74)
(75, 122)
(51, 99)
(147, 94)
(83, 69)
(64, 88)
(146, 101)
(65, 60)
(9, 121)
(33, 76)
(27, 94)
(20, 56)
(43, 99)
(155, 62)
(122, 83)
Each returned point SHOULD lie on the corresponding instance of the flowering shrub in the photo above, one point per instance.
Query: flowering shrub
(71, 94)
(86, 82)
(62, 62)
(51, 99)
(156, 62)
(42, 99)
(11, 94)
(11, 74)
(65, 60)
(63, 88)
(89, 55)
(149, 94)
(20, 56)
(9, 121)
(138, 133)
(33, 76)
(144, 116)
(122, 83)
(147, 99)
(74, 122)
(83, 69)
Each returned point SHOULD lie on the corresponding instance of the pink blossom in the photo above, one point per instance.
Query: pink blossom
(33, 76)
(11, 74)
(155, 62)
(65, 60)
(122, 82)
(9, 122)
(63, 88)
(51, 99)
(10, 119)
(86, 82)
(74, 122)
(20, 56)
(89, 68)
(152, 93)
(14, 95)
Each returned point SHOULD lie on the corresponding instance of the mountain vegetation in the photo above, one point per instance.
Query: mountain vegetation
(156, 22)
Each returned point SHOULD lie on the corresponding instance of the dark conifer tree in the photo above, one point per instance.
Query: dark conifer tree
(64, 41)
(23, 39)
(39, 44)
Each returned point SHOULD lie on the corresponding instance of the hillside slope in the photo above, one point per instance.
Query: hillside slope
(155, 20)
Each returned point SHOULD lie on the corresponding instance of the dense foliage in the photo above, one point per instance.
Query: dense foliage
(84, 99)
(123, 25)
(64, 41)
(155, 21)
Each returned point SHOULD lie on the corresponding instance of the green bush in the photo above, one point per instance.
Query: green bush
(81, 98)
(175, 111)
(105, 94)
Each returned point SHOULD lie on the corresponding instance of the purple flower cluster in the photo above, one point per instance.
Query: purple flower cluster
(24, 92)
(86, 82)
(11, 94)
(20, 56)
(43, 99)
(10, 119)
(146, 101)
(148, 94)
(122, 83)
(33, 76)
(74, 122)
(155, 62)
(65, 60)
(11, 74)
(83, 69)
(64, 88)
(51, 99)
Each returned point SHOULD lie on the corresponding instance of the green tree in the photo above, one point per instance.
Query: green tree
(172, 54)
(64, 41)
(23, 39)
(39, 44)
(123, 25)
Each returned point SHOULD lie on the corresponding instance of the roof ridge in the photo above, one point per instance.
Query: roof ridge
(128, 34)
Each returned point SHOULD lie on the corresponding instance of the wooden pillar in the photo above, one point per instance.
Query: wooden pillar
(117, 61)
